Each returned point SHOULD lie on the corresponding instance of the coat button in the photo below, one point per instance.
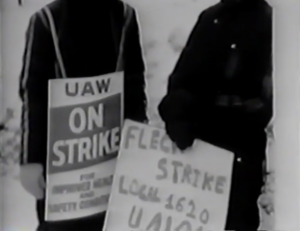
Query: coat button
(239, 159)
(233, 46)
(216, 21)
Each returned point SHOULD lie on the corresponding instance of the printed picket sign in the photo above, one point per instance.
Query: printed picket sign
(84, 126)
(156, 187)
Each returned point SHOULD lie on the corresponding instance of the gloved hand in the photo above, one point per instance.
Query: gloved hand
(32, 180)
(181, 133)
(178, 105)
(177, 110)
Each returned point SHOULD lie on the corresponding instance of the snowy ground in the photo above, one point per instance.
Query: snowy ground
(166, 25)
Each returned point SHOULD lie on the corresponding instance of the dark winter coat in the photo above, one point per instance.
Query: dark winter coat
(89, 34)
(229, 51)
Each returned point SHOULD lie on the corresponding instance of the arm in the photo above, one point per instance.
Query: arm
(264, 114)
(178, 99)
(187, 63)
(135, 83)
(38, 67)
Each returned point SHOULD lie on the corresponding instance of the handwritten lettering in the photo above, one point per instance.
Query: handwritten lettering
(155, 223)
(156, 140)
(180, 173)
(204, 216)
(134, 222)
(191, 214)
(162, 166)
(178, 207)
(140, 143)
(188, 206)
(141, 190)
(220, 184)
(185, 225)
(158, 222)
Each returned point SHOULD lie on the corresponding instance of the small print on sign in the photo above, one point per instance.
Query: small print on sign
(158, 188)
(85, 118)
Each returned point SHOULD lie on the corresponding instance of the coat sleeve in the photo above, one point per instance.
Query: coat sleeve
(186, 64)
(37, 68)
(267, 90)
(135, 98)
(263, 116)
(179, 82)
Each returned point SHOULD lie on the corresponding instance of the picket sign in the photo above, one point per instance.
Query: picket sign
(85, 116)
(157, 187)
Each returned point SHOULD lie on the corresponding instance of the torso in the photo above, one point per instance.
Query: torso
(234, 47)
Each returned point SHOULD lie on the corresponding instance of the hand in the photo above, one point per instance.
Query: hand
(32, 180)
(177, 105)
(181, 134)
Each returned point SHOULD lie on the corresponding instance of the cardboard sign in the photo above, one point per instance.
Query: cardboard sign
(158, 188)
(84, 122)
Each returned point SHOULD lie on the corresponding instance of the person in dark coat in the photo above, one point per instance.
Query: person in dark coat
(220, 91)
(89, 35)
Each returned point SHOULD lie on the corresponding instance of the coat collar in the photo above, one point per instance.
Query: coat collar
(241, 1)
(79, 5)
(242, 4)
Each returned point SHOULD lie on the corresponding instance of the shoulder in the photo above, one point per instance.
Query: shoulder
(54, 6)
(124, 5)
(126, 8)
(36, 21)
(40, 19)
(210, 12)
(213, 9)
(265, 17)
(268, 10)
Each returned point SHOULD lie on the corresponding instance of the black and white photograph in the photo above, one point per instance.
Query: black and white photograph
(138, 115)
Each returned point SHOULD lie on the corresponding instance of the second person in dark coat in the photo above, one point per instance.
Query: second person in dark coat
(220, 91)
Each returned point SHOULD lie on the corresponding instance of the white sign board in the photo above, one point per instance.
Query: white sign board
(158, 188)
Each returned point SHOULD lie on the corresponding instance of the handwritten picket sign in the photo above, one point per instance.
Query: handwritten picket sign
(85, 116)
(158, 188)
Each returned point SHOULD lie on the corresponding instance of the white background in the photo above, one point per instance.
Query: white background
(168, 23)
